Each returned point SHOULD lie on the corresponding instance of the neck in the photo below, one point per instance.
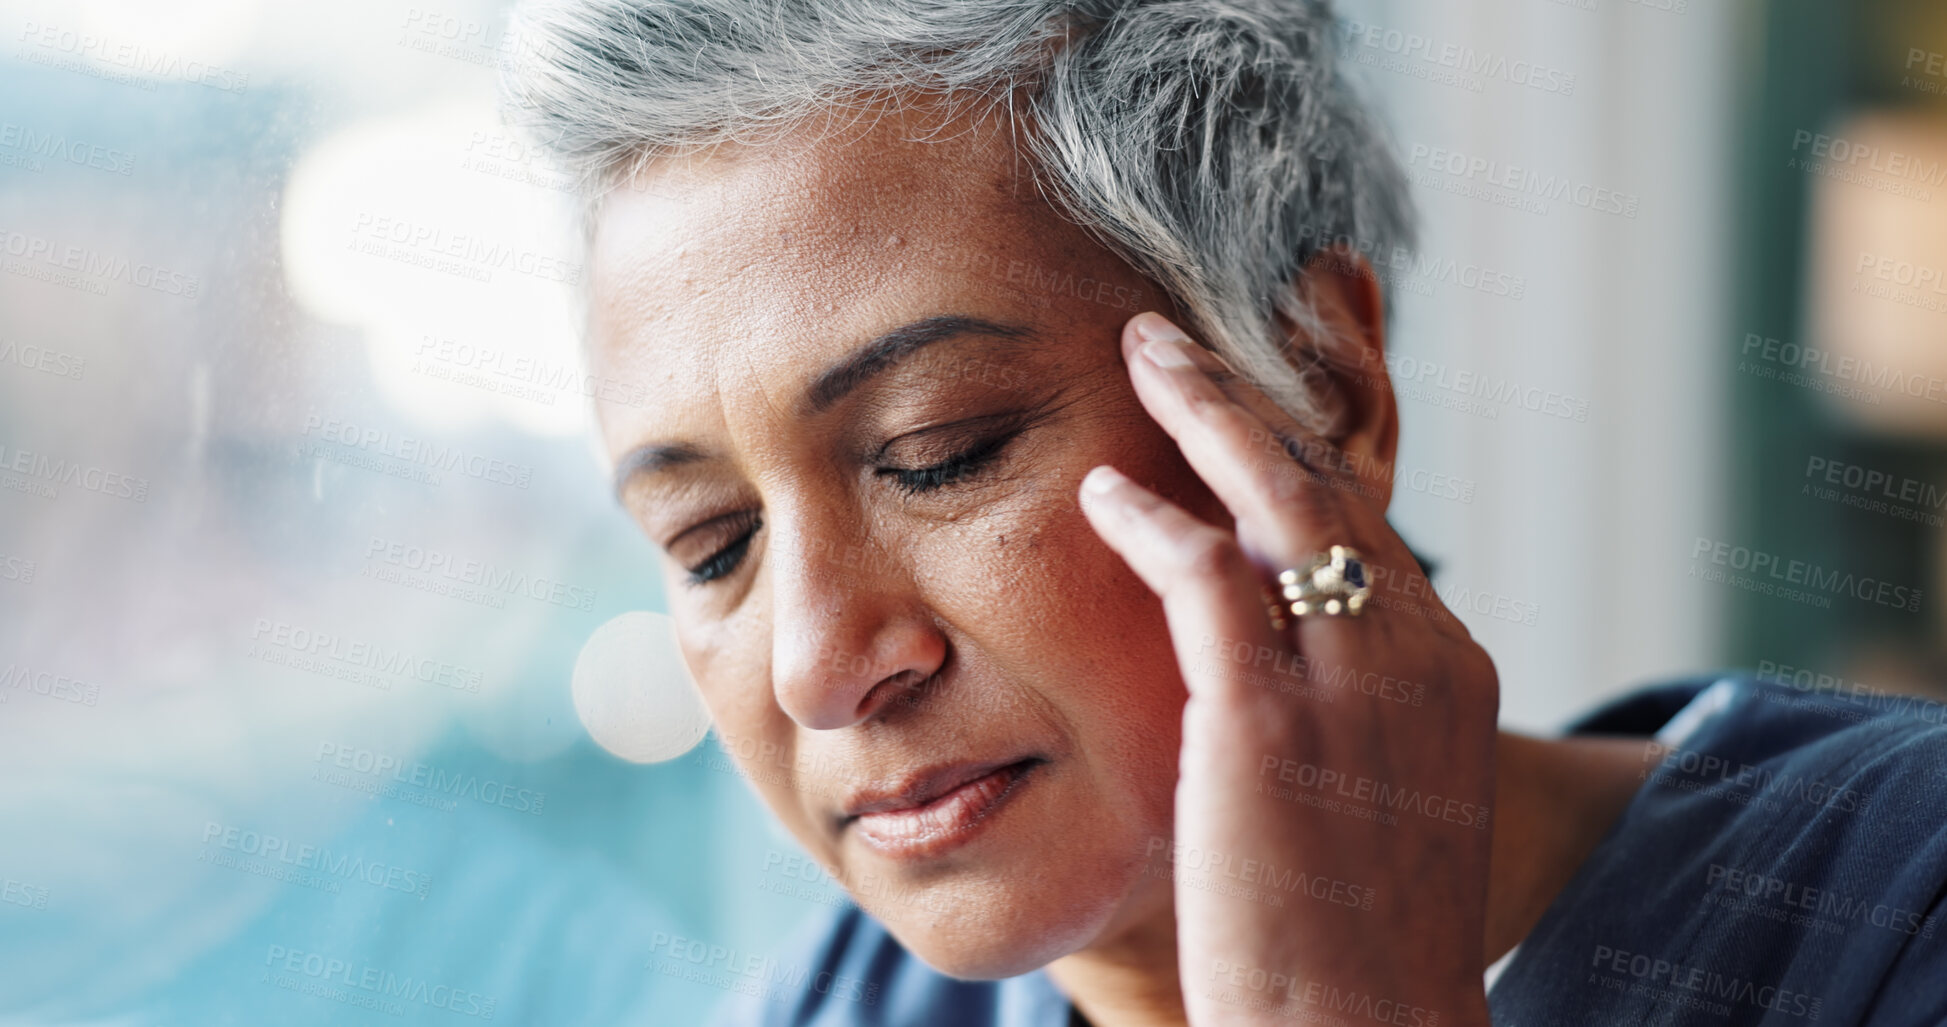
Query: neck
(1554, 800)
(1129, 979)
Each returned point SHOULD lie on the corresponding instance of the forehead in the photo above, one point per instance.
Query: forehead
(758, 264)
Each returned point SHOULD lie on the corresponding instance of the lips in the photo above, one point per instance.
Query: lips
(936, 809)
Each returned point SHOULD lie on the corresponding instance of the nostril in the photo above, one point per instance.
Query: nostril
(904, 690)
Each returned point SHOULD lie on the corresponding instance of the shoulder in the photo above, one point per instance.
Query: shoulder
(846, 970)
(1744, 745)
(1784, 857)
(1739, 752)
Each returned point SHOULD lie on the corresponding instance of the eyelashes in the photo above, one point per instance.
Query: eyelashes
(953, 470)
(958, 469)
(725, 560)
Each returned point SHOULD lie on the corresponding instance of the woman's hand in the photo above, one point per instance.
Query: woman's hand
(1332, 822)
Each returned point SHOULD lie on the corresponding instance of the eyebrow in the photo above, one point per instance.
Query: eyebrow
(834, 383)
(654, 457)
(875, 357)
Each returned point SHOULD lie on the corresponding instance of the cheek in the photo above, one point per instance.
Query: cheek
(1062, 616)
(1041, 583)
(733, 677)
(1086, 631)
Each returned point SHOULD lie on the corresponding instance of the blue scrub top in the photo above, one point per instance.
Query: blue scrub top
(1782, 863)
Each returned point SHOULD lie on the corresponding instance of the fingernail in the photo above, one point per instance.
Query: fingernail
(1154, 327)
(1102, 480)
(1168, 353)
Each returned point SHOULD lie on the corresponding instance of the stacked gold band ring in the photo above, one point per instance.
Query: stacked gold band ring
(1333, 583)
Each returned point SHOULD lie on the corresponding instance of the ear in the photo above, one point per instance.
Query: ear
(1348, 354)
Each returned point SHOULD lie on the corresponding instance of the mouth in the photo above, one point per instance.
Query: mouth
(937, 809)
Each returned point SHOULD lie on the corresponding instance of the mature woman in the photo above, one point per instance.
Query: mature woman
(1020, 444)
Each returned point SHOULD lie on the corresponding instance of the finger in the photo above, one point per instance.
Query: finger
(1285, 514)
(1282, 516)
(1284, 435)
(1210, 592)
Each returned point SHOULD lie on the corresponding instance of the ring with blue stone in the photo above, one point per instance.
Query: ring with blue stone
(1334, 583)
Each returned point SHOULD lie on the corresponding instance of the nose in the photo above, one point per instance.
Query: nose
(850, 632)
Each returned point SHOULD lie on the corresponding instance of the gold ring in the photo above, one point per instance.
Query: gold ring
(1333, 583)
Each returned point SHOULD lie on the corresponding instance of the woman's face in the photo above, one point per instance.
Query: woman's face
(876, 373)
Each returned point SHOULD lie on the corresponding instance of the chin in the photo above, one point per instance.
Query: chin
(974, 946)
(1009, 923)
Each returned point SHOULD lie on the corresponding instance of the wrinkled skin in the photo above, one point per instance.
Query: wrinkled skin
(867, 628)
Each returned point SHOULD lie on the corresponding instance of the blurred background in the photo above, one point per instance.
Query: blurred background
(333, 687)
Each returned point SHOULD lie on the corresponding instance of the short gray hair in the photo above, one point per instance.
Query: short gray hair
(1214, 145)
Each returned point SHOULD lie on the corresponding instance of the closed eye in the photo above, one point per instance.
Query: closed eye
(725, 560)
(953, 470)
(959, 469)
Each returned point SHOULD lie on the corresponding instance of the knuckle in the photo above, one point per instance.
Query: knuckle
(1300, 484)
(1206, 408)
(1312, 513)
(1211, 555)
